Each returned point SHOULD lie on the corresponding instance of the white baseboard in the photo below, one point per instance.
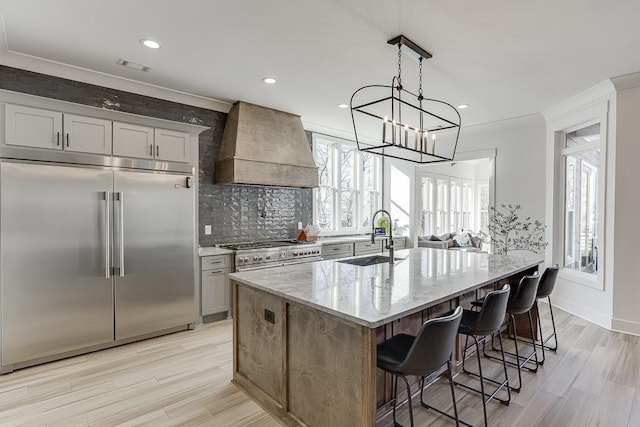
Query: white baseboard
(625, 326)
(583, 312)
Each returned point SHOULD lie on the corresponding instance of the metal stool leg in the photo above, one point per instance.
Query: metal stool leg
(541, 362)
(554, 335)
(395, 400)
(406, 381)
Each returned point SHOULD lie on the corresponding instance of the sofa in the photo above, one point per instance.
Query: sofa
(460, 241)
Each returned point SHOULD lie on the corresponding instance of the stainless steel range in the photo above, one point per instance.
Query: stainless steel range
(253, 255)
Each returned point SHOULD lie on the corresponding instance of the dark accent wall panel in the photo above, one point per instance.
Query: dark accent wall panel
(236, 213)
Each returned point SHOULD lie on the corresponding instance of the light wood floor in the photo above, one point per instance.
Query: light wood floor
(183, 379)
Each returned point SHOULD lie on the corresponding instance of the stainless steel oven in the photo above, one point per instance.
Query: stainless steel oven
(256, 255)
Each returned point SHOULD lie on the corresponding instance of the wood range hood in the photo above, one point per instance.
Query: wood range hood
(262, 146)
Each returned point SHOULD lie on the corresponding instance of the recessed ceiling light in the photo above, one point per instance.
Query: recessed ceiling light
(463, 106)
(269, 80)
(152, 44)
(343, 106)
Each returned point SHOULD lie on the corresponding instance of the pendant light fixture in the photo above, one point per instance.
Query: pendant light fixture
(394, 122)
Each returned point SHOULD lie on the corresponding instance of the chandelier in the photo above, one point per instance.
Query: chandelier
(394, 122)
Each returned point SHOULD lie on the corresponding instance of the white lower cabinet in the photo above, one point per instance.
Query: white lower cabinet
(216, 286)
(398, 244)
(363, 248)
(337, 250)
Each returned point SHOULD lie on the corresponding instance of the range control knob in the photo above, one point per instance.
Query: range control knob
(255, 258)
(268, 256)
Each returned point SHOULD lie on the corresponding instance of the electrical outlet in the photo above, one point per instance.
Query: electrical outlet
(299, 225)
(207, 230)
(269, 316)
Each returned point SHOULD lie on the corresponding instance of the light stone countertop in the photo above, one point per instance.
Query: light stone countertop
(213, 250)
(374, 295)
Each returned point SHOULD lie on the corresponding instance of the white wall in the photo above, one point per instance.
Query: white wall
(626, 235)
(519, 162)
(457, 169)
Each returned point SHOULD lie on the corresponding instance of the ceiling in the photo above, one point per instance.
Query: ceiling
(505, 58)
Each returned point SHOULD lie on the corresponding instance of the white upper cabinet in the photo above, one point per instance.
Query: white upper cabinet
(172, 145)
(33, 127)
(55, 130)
(132, 140)
(87, 135)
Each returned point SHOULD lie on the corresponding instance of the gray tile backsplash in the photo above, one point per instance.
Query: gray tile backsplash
(236, 213)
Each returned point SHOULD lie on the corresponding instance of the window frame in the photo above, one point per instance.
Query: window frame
(558, 131)
(337, 145)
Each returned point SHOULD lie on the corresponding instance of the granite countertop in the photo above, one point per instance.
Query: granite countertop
(374, 295)
(214, 250)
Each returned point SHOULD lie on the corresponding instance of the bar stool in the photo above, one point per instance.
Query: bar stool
(521, 301)
(545, 288)
(422, 355)
(484, 323)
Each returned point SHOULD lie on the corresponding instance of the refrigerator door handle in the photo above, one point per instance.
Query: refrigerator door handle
(107, 234)
(120, 196)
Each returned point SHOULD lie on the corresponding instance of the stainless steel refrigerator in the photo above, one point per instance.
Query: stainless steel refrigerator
(90, 257)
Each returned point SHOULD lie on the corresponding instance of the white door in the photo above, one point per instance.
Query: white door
(32, 127)
(87, 135)
(172, 145)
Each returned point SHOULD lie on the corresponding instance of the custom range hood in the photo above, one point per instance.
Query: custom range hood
(262, 146)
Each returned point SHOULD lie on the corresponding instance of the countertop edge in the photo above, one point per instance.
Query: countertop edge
(386, 320)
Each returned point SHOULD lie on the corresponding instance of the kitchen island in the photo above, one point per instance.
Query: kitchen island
(305, 335)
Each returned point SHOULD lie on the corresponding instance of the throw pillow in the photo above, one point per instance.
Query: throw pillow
(445, 236)
(462, 240)
(434, 238)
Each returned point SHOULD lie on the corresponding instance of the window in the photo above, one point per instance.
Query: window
(426, 216)
(455, 211)
(447, 204)
(577, 141)
(442, 204)
(349, 186)
(581, 154)
(482, 190)
(467, 205)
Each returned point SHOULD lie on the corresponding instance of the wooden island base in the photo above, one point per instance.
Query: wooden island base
(308, 367)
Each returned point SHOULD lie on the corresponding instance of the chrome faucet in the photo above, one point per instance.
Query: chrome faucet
(373, 232)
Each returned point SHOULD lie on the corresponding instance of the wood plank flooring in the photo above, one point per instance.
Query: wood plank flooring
(183, 379)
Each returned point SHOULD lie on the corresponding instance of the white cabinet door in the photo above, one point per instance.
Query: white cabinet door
(132, 140)
(215, 291)
(32, 127)
(87, 135)
(173, 146)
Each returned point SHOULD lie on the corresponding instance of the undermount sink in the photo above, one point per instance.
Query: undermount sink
(368, 260)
